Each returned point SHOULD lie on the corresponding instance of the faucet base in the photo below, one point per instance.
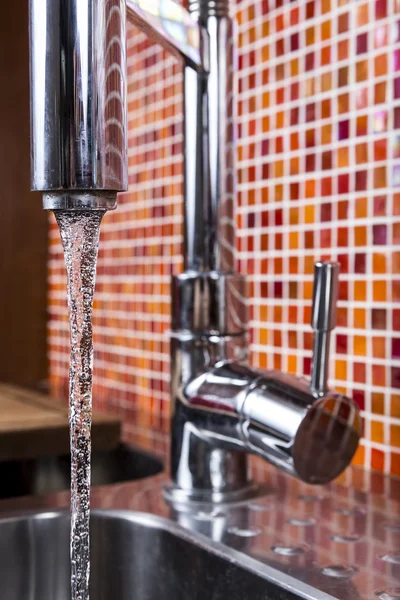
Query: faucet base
(176, 495)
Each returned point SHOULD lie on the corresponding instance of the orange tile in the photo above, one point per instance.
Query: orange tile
(377, 460)
(278, 193)
(396, 263)
(362, 70)
(326, 134)
(310, 36)
(326, 30)
(395, 406)
(292, 364)
(380, 92)
(295, 166)
(309, 212)
(359, 456)
(263, 361)
(343, 50)
(264, 313)
(361, 153)
(343, 157)
(381, 65)
(293, 265)
(277, 361)
(310, 193)
(342, 317)
(294, 16)
(308, 290)
(294, 240)
(395, 464)
(395, 435)
(263, 336)
(379, 263)
(294, 216)
(325, 6)
(359, 372)
(380, 153)
(360, 345)
(326, 82)
(360, 291)
(379, 291)
(396, 290)
(378, 403)
(379, 375)
(280, 120)
(360, 234)
(308, 265)
(377, 432)
(341, 370)
(265, 53)
(379, 177)
(294, 67)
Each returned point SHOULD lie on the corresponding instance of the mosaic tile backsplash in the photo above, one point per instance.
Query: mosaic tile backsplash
(319, 177)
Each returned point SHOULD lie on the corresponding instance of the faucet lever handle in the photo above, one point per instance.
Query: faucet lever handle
(323, 321)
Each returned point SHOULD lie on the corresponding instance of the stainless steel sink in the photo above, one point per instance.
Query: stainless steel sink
(52, 474)
(134, 557)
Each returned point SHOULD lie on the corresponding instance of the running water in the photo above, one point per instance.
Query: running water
(80, 238)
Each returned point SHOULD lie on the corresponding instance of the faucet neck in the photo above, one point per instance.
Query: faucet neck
(202, 9)
(213, 200)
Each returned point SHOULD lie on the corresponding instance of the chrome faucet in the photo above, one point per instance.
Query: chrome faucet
(222, 409)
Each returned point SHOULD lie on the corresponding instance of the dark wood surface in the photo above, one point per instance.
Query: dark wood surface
(23, 224)
(34, 425)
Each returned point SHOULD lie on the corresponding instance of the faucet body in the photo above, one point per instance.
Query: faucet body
(221, 408)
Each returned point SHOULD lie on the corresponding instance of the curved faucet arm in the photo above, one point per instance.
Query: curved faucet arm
(272, 414)
(169, 24)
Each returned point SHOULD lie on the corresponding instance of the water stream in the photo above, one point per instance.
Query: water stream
(80, 238)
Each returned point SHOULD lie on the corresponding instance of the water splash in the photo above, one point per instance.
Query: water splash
(80, 238)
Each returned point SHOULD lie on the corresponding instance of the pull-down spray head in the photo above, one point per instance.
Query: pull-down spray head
(78, 102)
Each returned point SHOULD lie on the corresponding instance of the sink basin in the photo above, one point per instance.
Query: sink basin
(134, 557)
(52, 474)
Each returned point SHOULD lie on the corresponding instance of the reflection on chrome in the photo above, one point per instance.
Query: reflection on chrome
(78, 102)
(170, 25)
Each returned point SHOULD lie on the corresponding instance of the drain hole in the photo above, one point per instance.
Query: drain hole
(394, 559)
(339, 571)
(288, 550)
(302, 522)
(245, 533)
(350, 512)
(395, 527)
(259, 507)
(309, 498)
(345, 539)
(392, 594)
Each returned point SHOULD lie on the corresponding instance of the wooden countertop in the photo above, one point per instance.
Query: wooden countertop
(34, 424)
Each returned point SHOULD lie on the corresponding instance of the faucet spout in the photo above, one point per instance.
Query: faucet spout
(78, 102)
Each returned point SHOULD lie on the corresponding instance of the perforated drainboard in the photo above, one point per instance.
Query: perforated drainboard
(345, 550)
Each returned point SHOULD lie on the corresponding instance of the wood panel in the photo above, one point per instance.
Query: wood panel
(34, 425)
(23, 224)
